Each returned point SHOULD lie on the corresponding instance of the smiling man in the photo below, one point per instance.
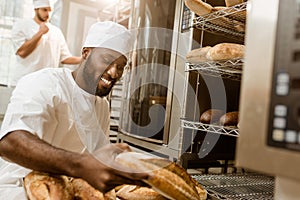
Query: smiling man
(98, 80)
(57, 118)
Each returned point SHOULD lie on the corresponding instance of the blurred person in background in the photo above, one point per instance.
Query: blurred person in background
(39, 44)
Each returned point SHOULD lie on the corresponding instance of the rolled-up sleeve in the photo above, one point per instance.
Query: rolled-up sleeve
(18, 36)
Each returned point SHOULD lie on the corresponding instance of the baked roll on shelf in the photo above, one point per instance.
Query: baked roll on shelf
(222, 60)
(199, 7)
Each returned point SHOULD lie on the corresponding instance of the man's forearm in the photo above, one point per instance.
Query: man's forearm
(29, 45)
(102, 173)
(31, 152)
(73, 60)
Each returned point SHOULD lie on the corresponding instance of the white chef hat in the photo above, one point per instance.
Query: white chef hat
(41, 3)
(109, 35)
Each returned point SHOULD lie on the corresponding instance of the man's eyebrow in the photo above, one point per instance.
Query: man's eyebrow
(114, 58)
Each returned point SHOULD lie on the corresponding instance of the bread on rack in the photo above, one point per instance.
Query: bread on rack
(211, 116)
(197, 55)
(239, 16)
(235, 19)
(218, 8)
(222, 51)
(226, 10)
(229, 3)
(226, 51)
(199, 7)
(230, 119)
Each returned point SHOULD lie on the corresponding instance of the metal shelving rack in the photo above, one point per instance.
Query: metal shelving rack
(229, 22)
(223, 130)
(230, 69)
(224, 22)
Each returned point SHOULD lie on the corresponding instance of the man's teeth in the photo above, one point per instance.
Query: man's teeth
(106, 81)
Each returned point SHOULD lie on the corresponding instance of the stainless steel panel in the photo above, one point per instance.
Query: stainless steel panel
(252, 149)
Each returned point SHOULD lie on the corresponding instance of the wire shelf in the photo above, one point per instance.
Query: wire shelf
(212, 128)
(230, 69)
(248, 186)
(229, 22)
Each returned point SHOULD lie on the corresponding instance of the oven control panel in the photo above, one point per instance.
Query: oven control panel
(284, 118)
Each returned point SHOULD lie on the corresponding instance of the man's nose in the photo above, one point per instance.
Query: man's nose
(113, 71)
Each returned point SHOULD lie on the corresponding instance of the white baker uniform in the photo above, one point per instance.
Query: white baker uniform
(50, 51)
(49, 104)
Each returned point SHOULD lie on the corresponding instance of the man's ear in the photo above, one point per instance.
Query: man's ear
(85, 52)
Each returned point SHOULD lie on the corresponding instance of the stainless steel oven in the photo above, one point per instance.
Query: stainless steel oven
(269, 106)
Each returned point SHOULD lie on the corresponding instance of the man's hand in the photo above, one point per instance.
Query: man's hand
(43, 28)
(104, 173)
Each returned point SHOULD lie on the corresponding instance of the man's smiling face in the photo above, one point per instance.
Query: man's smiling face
(102, 69)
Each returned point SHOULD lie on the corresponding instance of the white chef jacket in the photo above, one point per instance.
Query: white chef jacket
(50, 51)
(48, 103)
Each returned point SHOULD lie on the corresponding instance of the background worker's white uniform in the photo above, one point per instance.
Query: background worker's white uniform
(50, 51)
(58, 111)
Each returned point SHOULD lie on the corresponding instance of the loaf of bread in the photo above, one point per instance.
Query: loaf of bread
(218, 8)
(230, 119)
(199, 7)
(132, 192)
(180, 171)
(40, 186)
(226, 51)
(197, 55)
(211, 116)
(84, 191)
(229, 3)
(166, 177)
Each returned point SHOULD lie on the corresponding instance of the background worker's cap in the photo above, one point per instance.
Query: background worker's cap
(41, 4)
